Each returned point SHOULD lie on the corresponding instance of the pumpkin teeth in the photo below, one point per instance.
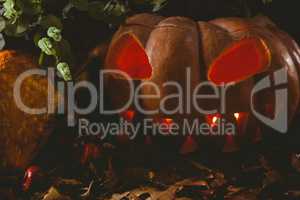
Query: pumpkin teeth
(230, 144)
(188, 146)
(128, 115)
(240, 61)
(128, 55)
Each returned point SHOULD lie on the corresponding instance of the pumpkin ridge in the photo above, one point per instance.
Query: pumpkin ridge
(172, 45)
(202, 62)
(137, 24)
(176, 22)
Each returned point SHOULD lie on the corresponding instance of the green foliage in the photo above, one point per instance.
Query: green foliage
(10, 11)
(30, 7)
(64, 70)
(110, 12)
(46, 46)
(32, 20)
(54, 33)
(18, 28)
(158, 4)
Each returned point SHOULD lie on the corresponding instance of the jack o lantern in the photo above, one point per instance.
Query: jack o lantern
(22, 134)
(153, 49)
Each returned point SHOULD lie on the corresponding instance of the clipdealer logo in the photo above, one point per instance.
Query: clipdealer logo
(279, 77)
(280, 120)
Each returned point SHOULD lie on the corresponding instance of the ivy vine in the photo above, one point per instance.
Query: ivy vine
(30, 19)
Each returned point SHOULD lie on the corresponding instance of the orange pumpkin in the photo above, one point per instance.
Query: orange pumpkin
(156, 49)
(22, 134)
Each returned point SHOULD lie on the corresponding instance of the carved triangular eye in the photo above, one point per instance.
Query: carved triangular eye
(128, 55)
(240, 61)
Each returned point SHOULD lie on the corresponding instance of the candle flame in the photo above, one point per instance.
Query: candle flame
(237, 116)
(168, 120)
(214, 119)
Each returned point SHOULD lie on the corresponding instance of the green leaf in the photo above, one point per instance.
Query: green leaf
(64, 70)
(51, 20)
(111, 12)
(46, 46)
(81, 5)
(2, 41)
(10, 11)
(54, 33)
(158, 4)
(17, 29)
(66, 10)
(37, 36)
(30, 7)
(2, 23)
(42, 59)
(117, 10)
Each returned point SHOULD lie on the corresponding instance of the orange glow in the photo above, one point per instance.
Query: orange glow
(129, 56)
(237, 116)
(167, 121)
(29, 174)
(189, 145)
(128, 115)
(240, 61)
(5, 56)
(230, 144)
(213, 119)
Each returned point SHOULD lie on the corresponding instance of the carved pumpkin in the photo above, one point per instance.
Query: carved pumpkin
(155, 49)
(22, 134)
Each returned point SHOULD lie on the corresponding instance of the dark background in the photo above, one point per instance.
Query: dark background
(84, 33)
(285, 13)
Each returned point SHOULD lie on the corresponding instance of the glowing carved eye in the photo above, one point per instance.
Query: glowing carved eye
(128, 55)
(240, 61)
